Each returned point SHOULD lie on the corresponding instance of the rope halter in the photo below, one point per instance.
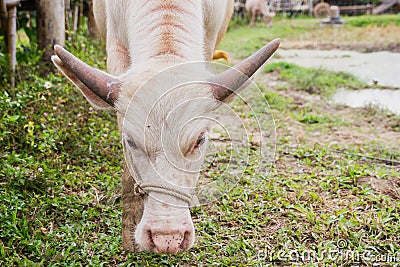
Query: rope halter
(147, 187)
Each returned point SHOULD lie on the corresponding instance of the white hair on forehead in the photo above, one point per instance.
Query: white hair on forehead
(179, 92)
(150, 81)
(158, 114)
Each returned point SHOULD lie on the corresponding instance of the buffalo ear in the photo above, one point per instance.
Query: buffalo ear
(99, 88)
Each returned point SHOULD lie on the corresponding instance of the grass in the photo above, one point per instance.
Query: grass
(363, 33)
(60, 169)
(314, 80)
(244, 39)
(368, 21)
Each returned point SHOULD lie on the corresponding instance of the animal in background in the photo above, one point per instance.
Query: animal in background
(259, 8)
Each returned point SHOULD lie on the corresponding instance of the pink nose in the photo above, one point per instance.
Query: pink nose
(171, 243)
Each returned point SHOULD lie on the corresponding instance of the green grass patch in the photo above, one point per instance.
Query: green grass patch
(380, 21)
(313, 80)
(276, 101)
(243, 40)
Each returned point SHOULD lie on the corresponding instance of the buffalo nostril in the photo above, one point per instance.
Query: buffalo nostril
(186, 243)
(150, 237)
(170, 243)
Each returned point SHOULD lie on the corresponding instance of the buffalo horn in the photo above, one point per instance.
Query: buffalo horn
(231, 80)
(102, 84)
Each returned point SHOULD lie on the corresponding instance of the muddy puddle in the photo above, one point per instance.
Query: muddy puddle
(382, 68)
(383, 99)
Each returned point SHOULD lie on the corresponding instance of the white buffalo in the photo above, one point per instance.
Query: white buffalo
(163, 151)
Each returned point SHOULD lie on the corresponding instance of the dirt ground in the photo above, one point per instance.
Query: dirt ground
(368, 130)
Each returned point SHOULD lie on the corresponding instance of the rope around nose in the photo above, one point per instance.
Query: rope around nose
(166, 189)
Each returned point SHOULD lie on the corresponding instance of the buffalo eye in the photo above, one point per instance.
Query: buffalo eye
(200, 141)
(131, 143)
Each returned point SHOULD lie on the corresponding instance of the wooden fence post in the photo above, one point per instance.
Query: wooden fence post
(50, 25)
(11, 40)
(3, 15)
(8, 13)
(92, 28)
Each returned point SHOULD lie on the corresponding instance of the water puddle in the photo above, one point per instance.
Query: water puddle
(384, 99)
(380, 68)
